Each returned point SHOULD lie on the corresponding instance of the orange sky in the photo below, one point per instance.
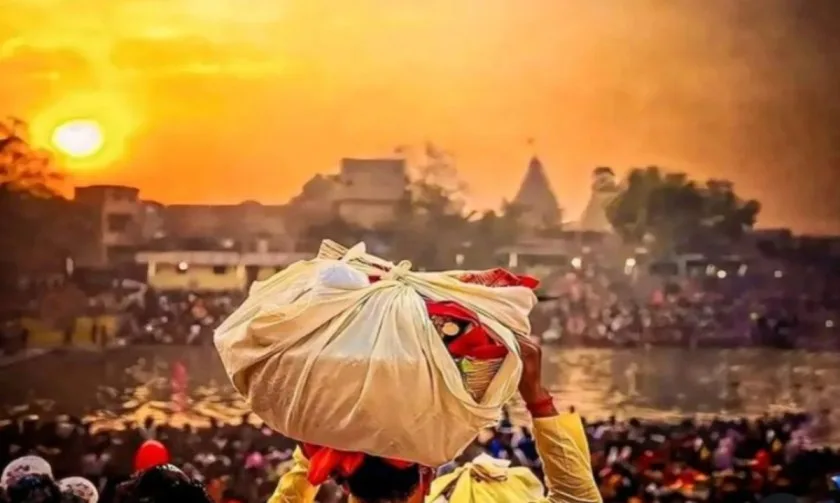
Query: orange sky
(226, 100)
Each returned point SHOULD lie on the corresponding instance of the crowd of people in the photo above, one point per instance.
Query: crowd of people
(590, 304)
(720, 460)
(593, 303)
(148, 317)
(598, 305)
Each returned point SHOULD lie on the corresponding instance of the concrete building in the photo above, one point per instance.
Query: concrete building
(370, 189)
(212, 270)
(364, 192)
(116, 212)
(247, 226)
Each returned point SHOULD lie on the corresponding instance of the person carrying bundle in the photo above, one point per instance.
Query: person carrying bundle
(560, 440)
(376, 369)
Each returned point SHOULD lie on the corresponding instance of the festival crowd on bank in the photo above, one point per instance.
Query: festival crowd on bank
(733, 461)
(593, 304)
(595, 307)
(721, 460)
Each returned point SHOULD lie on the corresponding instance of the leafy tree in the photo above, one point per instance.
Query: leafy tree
(492, 231)
(38, 227)
(670, 212)
(336, 228)
(431, 225)
(23, 168)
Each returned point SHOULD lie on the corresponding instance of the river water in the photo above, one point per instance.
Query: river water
(657, 383)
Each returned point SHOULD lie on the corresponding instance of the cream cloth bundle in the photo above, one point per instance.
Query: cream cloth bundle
(324, 356)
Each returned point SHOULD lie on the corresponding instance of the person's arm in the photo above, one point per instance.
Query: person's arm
(562, 447)
(293, 486)
(559, 438)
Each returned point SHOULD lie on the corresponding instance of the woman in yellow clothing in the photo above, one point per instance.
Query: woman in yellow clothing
(560, 441)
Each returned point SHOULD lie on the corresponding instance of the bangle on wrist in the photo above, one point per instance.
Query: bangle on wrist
(542, 406)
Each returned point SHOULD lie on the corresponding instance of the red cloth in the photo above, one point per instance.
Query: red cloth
(499, 278)
(492, 277)
(476, 342)
(762, 461)
(325, 462)
(179, 386)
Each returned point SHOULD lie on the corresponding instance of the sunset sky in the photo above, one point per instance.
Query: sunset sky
(225, 100)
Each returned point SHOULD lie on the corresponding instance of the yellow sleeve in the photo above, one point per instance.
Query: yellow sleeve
(293, 486)
(564, 451)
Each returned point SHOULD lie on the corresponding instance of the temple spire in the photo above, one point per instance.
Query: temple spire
(535, 198)
(604, 189)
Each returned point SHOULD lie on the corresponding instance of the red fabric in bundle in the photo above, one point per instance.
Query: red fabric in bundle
(325, 462)
(499, 278)
(477, 342)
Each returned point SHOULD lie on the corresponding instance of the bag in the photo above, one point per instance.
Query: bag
(326, 358)
(487, 479)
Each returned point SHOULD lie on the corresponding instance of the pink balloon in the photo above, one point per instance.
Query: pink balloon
(151, 453)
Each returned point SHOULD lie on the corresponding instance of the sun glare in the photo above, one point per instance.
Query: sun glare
(78, 139)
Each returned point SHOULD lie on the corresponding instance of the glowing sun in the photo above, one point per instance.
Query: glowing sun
(78, 139)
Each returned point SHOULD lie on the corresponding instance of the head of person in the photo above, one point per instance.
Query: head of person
(29, 479)
(368, 479)
(378, 481)
(36, 488)
(161, 484)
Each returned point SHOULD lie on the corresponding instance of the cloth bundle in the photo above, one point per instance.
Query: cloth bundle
(342, 351)
(486, 479)
(477, 353)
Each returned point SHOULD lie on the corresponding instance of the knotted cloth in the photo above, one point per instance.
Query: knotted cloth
(359, 366)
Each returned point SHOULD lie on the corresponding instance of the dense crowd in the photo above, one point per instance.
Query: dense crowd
(720, 460)
(597, 305)
(738, 461)
(593, 303)
(174, 317)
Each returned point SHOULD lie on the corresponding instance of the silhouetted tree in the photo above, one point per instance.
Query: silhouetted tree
(669, 212)
(23, 168)
(38, 227)
(492, 231)
(337, 228)
(430, 224)
(433, 226)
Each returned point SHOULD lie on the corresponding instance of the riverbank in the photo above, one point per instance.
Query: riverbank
(24, 355)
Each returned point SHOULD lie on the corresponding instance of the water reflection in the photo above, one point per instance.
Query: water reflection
(652, 384)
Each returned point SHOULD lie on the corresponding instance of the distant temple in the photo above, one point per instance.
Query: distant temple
(536, 200)
(594, 217)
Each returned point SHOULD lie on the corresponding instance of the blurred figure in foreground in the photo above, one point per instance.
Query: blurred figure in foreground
(560, 442)
(29, 479)
(162, 484)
